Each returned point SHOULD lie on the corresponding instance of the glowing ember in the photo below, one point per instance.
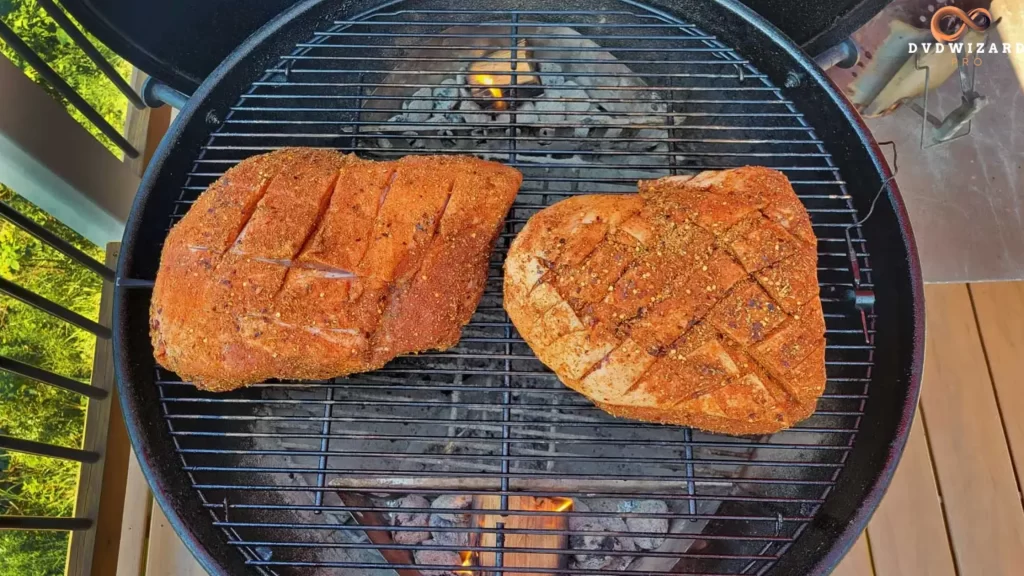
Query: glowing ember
(502, 68)
(467, 560)
(486, 82)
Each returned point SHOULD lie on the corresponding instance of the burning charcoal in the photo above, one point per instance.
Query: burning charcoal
(452, 501)
(414, 140)
(472, 113)
(447, 95)
(552, 67)
(596, 543)
(436, 558)
(610, 563)
(418, 108)
(449, 520)
(439, 119)
(448, 538)
(575, 98)
(551, 111)
(651, 138)
(551, 74)
(645, 524)
(526, 115)
(409, 537)
(414, 519)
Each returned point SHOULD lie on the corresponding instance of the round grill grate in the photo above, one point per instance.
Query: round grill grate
(294, 473)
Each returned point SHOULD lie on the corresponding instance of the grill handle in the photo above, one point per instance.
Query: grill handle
(155, 94)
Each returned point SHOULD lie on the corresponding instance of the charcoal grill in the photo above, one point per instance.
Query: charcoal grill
(304, 477)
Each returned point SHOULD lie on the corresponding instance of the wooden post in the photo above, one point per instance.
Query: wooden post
(97, 426)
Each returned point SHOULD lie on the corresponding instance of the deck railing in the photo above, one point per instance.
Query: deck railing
(56, 164)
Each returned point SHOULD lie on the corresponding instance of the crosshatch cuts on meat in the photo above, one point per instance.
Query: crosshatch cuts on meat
(309, 264)
(694, 302)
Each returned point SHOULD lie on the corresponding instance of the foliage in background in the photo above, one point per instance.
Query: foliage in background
(33, 25)
(32, 485)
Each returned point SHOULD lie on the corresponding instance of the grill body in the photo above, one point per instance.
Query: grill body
(247, 478)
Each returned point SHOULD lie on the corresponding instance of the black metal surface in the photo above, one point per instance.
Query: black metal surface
(246, 478)
(56, 242)
(98, 59)
(43, 523)
(64, 89)
(43, 449)
(815, 25)
(47, 377)
(181, 42)
(36, 301)
(156, 94)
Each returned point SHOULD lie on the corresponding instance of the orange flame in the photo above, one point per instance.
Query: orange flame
(467, 560)
(496, 93)
(565, 505)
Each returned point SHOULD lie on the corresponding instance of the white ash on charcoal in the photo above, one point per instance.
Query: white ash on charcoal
(591, 551)
(527, 114)
(472, 113)
(410, 519)
(588, 548)
(645, 524)
(649, 139)
(574, 98)
(418, 109)
(571, 113)
(431, 557)
(447, 95)
(551, 74)
(449, 520)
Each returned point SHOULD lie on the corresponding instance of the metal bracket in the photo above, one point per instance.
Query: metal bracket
(155, 94)
(864, 302)
(952, 126)
(844, 55)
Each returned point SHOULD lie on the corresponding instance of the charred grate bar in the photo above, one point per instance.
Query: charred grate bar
(392, 470)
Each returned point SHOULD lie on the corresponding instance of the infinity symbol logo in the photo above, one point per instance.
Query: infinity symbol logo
(978, 20)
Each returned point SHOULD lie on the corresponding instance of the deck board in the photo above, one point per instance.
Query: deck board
(857, 561)
(908, 531)
(167, 553)
(1000, 311)
(972, 462)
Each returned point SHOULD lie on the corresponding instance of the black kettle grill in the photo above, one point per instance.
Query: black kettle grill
(309, 477)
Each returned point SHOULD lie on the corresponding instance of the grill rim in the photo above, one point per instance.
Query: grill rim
(162, 464)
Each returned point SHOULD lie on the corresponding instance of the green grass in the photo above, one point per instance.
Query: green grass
(32, 485)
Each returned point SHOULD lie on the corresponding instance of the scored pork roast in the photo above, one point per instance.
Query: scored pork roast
(308, 264)
(694, 302)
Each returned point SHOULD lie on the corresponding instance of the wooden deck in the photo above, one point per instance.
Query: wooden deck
(954, 506)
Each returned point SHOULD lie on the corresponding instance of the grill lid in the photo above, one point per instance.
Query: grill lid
(182, 42)
(288, 476)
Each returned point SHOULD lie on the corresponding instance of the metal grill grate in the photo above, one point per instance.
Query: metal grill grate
(286, 468)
